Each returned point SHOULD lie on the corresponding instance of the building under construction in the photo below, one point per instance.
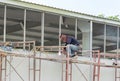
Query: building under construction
(34, 30)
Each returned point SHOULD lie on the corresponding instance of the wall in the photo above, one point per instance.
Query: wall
(52, 71)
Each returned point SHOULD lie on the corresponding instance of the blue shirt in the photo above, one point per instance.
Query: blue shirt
(72, 40)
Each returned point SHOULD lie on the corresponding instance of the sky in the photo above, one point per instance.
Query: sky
(92, 7)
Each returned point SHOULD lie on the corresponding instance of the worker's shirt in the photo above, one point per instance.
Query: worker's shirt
(71, 40)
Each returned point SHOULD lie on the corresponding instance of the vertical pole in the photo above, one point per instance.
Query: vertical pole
(117, 53)
(42, 29)
(96, 71)
(118, 35)
(76, 24)
(117, 42)
(119, 77)
(71, 71)
(91, 29)
(5, 68)
(94, 67)
(29, 66)
(29, 69)
(62, 71)
(4, 38)
(115, 73)
(60, 22)
(34, 67)
(39, 67)
(104, 39)
(67, 66)
(24, 30)
(10, 68)
(5, 18)
(98, 66)
(42, 40)
(0, 67)
(29, 63)
(67, 70)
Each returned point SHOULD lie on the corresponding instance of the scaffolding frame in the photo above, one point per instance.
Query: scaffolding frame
(68, 62)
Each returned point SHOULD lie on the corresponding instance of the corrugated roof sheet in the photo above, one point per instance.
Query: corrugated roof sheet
(70, 11)
(66, 10)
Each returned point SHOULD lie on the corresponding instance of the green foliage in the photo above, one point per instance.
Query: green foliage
(101, 15)
(116, 17)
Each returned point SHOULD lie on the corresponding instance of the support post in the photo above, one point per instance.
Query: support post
(34, 67)
(104, 39)
(62, 72)
(10, 70)
(24, 30)
(118, 35)
(1, 67)
(96, 68)
(42, 29)
(5, 68)
(71, 71)
(90, 48)
(29, 70)
(39, 67)
(116, 71)
(5, 18)
(67, 66)
(76, 24)
(60, 22)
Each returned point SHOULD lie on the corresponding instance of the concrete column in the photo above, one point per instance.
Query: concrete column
(84, 26)
(86, 41)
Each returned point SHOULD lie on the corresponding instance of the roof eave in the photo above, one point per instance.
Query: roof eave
(59, 11)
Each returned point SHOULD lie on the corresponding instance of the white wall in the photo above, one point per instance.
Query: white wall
(52, 71)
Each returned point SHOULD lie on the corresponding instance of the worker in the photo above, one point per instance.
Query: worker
(72, 44)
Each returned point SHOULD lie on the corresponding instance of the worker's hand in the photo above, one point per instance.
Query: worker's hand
(64, 51)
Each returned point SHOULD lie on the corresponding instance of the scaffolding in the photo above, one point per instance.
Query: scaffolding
(35, 58)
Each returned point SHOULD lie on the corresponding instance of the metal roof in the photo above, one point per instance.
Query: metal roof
(50, 9)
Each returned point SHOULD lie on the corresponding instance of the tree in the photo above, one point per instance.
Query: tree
(101, 15)
(116, 17)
